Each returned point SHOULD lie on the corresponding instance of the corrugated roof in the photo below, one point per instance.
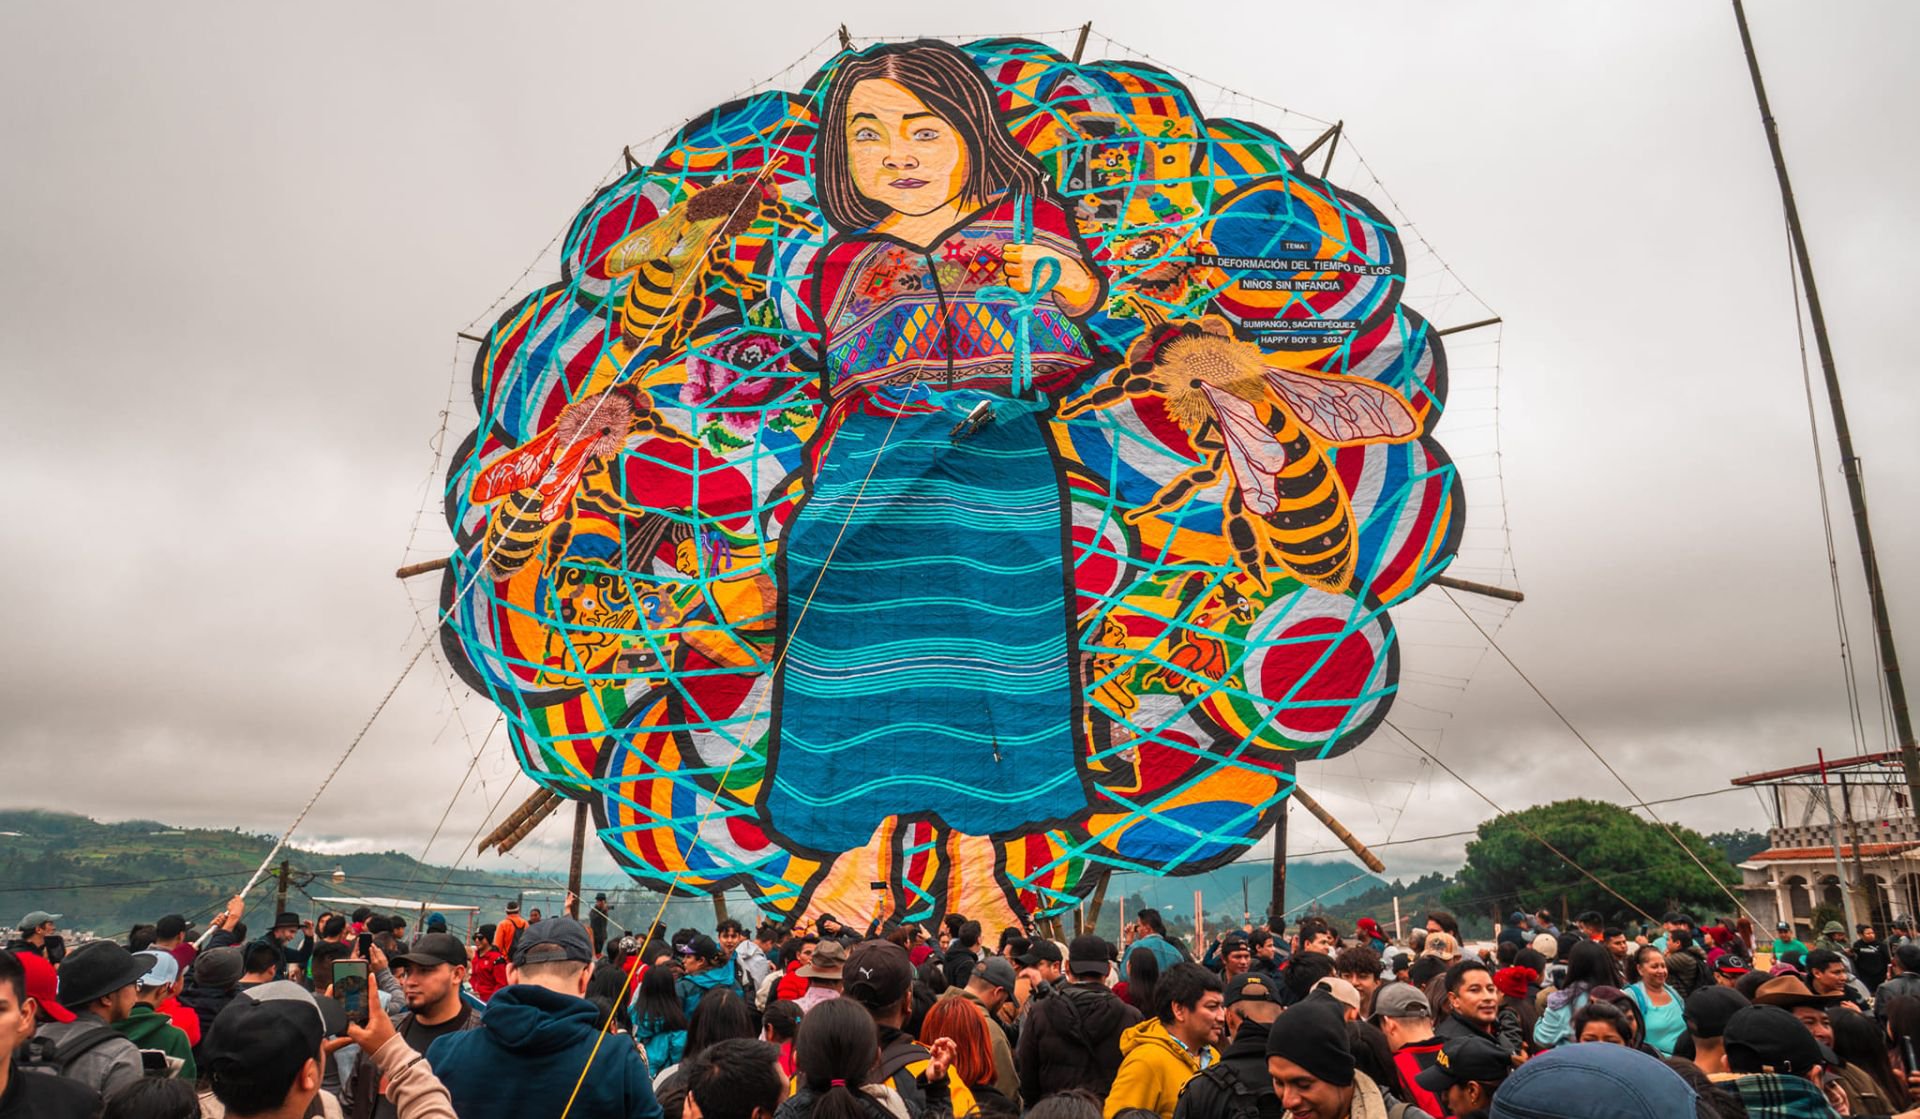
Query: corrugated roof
(1816, 854)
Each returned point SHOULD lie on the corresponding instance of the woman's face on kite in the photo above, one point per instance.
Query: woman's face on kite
(903, 155)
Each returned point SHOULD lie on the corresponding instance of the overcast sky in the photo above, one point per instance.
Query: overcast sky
(236, 241)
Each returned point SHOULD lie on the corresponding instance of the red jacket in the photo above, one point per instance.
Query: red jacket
(187, 1020)
(791, 986)
(489, 973)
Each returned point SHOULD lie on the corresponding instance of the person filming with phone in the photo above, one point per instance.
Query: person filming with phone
(430, 975)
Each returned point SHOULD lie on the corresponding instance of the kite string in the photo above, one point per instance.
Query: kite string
(1639, 801)
(1518, 822)
(1826, 512)
(331, 774)
(713, 802)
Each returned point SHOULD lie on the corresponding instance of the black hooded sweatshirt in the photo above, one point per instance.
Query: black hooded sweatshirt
(1071, 1039)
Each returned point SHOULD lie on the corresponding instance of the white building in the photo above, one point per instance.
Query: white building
(1872, 827)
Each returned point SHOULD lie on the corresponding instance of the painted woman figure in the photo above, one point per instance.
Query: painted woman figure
(928, 617)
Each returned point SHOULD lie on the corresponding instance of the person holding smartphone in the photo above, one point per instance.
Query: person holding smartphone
(431, 976)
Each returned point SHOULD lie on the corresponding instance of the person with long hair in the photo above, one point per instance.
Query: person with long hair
(1660, 1009)
(947, 247)
(721, 1015)
(1589, 965)
(1861, 1044)
(659, 1018)
(836, 1052)
(1143, 972)
(781, 1025)
(970, 1080)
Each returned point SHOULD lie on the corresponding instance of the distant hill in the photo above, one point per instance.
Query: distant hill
(105, 877)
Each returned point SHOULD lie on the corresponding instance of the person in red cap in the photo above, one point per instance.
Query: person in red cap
(27, 1095)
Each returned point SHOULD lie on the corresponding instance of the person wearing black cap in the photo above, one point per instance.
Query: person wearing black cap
(1072, 1040)
(1312, 1070)
(1252, 1003)
(170, 935)
(431, 976)
(597, 922)
(1707, 1011)
(706, 966)
(1040, 963)
(25, 1094)
(1466, 1074)
(878, 975)
(538, 1035)
(98, 985)
(1776, 1063)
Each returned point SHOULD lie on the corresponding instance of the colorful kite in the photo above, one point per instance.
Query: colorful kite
(942, 486)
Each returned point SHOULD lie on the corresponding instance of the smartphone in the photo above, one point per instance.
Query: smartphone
(350, 987)
(1906, 1056)
(366, 942)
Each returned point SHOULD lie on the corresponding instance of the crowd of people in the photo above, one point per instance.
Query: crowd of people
(533, 1017)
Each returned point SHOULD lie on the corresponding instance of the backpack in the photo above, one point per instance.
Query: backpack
(43, 1055)
(1243, 1102)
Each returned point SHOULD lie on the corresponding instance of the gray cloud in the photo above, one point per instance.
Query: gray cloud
(237, 241)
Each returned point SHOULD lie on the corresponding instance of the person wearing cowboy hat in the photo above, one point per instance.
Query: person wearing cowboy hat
(823, 974)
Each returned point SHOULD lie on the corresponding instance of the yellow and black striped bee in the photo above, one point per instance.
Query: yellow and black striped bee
(674, 260)
(537, 483)
(1269, 426)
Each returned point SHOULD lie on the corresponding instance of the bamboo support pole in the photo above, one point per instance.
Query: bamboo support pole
(1338, 829)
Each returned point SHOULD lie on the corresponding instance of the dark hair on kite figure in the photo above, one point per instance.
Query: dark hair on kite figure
(947, 82)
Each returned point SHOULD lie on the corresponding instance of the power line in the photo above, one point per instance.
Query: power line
(1518, 822)
(1639, 801)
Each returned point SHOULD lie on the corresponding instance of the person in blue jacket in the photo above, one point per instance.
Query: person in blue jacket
(539, 1032)
(707, 966)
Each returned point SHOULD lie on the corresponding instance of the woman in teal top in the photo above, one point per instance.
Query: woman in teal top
(1660, 1008)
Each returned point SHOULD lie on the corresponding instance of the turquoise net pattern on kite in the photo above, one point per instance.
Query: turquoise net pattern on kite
(1239, 479)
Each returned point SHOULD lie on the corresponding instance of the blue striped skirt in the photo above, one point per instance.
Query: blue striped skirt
(928, 664)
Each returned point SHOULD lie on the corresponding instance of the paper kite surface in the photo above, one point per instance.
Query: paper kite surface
(874, 567)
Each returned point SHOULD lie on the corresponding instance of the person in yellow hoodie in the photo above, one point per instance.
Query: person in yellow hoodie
(1159, 1055)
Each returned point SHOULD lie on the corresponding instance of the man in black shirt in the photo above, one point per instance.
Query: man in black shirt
(431, 975)
(1870, 959)
(32, 1095)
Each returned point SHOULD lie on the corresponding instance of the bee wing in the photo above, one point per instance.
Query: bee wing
(1344, 410)
(651, 241)
(515, 470)
(1253, 453)
(563, 477)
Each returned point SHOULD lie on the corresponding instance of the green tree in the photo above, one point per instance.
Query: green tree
(1507, 868)
(1739, 845)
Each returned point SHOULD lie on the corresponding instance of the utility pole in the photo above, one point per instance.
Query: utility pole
(1839, 859)
(1849, 463)
(575, 865)
(1277, 907)
(280, 895)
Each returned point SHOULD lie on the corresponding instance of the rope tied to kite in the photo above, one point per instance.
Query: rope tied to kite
(1044, 278)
